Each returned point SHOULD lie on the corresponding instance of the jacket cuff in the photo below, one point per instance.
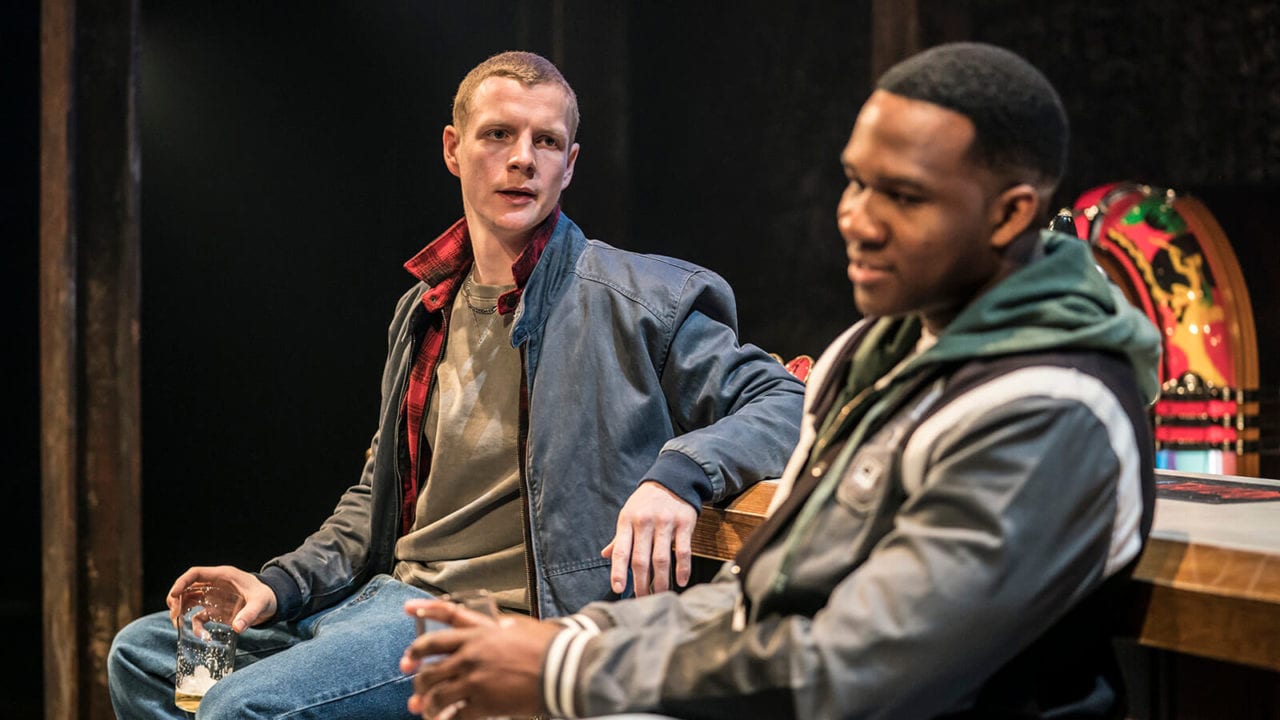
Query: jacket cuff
(288, 595)
(594, 618)
(560, 666)
(678, 473)
(584, 621)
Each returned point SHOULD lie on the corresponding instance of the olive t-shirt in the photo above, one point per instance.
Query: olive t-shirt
(467, 532)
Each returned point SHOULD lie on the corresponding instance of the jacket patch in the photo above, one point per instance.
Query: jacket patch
(862, 481)
(867, 473)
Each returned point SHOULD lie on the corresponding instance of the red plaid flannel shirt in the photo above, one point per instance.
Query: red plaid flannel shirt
(442, 265)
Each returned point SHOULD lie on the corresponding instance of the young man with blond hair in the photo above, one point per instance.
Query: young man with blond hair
(554, 412)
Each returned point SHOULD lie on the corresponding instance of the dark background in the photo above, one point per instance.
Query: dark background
(288, 175)
(291, 163)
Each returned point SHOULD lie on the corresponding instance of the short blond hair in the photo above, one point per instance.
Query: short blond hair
(525, 67)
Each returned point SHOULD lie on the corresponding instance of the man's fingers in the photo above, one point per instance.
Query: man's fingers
(453, 696)
(243, 619)
(435, 678)
(444, 695)
(684, 553)
(641, 555)
(422, 701)
(435, 643)
(415, 704)
(661, 558)
(409, 665)
(451, 712)
(621, 558)
(465, 617)
(432, 609)
(448, 612)
(248, 615)
(174, 598)
(181, 584)
(655, 521)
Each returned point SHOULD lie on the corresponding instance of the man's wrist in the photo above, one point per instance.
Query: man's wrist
(288, 598)
(685, 478)
(560, 665)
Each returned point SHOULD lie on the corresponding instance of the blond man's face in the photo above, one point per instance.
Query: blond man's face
(513, 156)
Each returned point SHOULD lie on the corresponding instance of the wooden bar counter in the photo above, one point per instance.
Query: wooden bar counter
(1208, 583)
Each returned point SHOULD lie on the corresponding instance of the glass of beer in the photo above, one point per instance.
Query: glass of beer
(206, 642)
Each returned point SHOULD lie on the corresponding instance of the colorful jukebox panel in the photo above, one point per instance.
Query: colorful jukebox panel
(1173, 261)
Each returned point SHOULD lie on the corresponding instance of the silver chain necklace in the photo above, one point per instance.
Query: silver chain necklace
(466, 294)
(481, 317)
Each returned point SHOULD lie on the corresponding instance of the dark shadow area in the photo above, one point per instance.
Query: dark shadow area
(21, 655)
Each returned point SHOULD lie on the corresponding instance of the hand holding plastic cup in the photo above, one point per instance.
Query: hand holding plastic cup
(478, 601)
(206, 642)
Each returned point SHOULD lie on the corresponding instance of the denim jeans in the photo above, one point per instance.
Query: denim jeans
(340, 662)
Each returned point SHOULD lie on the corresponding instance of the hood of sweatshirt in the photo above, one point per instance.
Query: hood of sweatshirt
(1058, 300)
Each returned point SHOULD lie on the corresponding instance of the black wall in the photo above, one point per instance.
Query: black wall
(291, 163)
(19, 360)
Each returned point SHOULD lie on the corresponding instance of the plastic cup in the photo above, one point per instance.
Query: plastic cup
(206, 642)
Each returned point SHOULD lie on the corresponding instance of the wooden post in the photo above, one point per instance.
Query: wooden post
(901, 28)
(895, 33)
(89, 357)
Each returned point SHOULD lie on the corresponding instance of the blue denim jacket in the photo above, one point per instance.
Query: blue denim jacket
(634, 372)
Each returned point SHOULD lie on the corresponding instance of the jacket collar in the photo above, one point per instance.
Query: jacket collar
(559, 258)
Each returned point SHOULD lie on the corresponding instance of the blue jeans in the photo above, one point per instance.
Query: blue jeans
(341, 662)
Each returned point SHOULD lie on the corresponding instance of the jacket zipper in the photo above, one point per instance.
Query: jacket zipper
(525, 463)
(396, 436)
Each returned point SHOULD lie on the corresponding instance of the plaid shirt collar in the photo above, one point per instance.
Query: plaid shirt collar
(445, 261)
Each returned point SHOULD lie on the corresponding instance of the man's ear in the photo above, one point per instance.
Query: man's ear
(450, 142)
(568, 171)
(1012, 213)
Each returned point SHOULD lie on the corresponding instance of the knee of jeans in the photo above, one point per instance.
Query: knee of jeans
(114, 659)
(248, 693)
(221, 702)
(126, 645)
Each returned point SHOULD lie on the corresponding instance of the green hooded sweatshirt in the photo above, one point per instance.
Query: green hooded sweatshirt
(1058, 300)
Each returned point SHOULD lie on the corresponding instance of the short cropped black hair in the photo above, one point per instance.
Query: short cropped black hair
(1017, 115)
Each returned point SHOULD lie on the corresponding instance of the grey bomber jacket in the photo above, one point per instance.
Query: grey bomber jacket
(963, 568)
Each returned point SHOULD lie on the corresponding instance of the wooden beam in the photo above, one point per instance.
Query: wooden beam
(901, 28)
(895, 33)
(58, 398)
(89, 355)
